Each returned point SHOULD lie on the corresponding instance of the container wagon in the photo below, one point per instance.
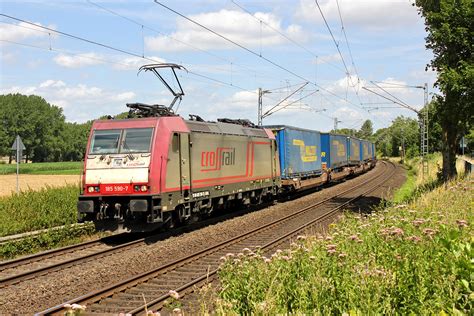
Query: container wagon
(299, 154)
(334, 153)
(353, 145)
(365, 151)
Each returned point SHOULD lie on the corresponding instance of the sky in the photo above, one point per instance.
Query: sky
(278, 45)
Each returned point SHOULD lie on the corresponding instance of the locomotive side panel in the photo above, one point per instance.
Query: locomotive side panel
(224, 159)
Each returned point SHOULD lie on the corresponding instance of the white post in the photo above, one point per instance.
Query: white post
(17, 164)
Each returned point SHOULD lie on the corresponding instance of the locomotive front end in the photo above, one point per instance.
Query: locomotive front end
(116, 185)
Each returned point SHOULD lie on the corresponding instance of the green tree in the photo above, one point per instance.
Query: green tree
(402, 133)
(345, 131)
(75, 140)
(366, 130)
(449, 24)
(37, 122)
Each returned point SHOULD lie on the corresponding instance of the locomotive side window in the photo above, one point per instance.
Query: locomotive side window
(136, 140)
(105, 142)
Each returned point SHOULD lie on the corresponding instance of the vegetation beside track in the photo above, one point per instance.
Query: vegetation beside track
(414, 258)
(33, 210)
(415, 183)
(69, 167)
(65, 236)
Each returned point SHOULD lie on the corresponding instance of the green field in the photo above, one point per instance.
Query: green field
(410, 259)
(68, 167)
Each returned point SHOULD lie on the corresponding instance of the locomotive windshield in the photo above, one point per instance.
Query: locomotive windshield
(133, 140)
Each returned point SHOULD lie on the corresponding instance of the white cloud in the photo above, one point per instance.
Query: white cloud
(52, 83)
(125, 96)
(80, 60)
(133, 63)
(346, 114)
(236, 25)
(326, 59)
(368, 14)
(21, 31)
(77, 99)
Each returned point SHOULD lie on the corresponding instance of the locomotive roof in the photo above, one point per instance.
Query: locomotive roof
(225, 128)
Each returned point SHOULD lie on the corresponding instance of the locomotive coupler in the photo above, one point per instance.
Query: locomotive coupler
(118, 211)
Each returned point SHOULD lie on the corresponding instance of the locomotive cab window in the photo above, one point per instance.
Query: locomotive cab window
(105, 142)
(136, 140)
(133, 140)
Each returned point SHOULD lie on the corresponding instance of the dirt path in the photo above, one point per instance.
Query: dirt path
(34, 182)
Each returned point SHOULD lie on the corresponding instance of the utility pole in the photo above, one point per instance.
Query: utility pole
(423, 120)
(260, 105)
(336, 121)
(424, 133)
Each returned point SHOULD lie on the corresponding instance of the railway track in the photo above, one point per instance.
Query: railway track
(24, 268)
(185, 274)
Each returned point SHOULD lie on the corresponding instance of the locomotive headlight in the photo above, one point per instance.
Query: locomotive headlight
(136, 188)
(90, 189)
(144, 188)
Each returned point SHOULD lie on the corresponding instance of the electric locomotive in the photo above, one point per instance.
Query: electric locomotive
(156, 168)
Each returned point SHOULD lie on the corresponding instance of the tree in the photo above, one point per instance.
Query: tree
(345, 131)
(366, 130)
(75, 140)
(449, 24)
(403, 133)
(37, 122)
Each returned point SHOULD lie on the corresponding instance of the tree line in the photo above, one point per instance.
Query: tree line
(42, 127)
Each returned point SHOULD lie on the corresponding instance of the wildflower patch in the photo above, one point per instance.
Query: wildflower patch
(414, 258)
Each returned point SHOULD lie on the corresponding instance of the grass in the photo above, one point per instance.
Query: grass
(415, 258)
(33, 210)
(416, 183)
(67, 167)
(66, 236)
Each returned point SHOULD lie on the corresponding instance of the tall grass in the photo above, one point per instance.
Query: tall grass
(416, 182)
(33, 210)
(67, 167)
(409, 259)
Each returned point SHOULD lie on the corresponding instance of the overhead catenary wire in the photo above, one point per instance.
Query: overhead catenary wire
(283, 34)
(120, 50)
(347, 41)
(251, 51)
(143, 26)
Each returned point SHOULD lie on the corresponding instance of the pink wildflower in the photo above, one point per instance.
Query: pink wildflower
(174, 294)
(353, 237)
(419, 221)
(429, 232)
(342, 255)
(396, 231)
(462, 223)
(414, 238)
(331, 251)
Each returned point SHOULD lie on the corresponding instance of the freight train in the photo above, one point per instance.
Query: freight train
(159, 169)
